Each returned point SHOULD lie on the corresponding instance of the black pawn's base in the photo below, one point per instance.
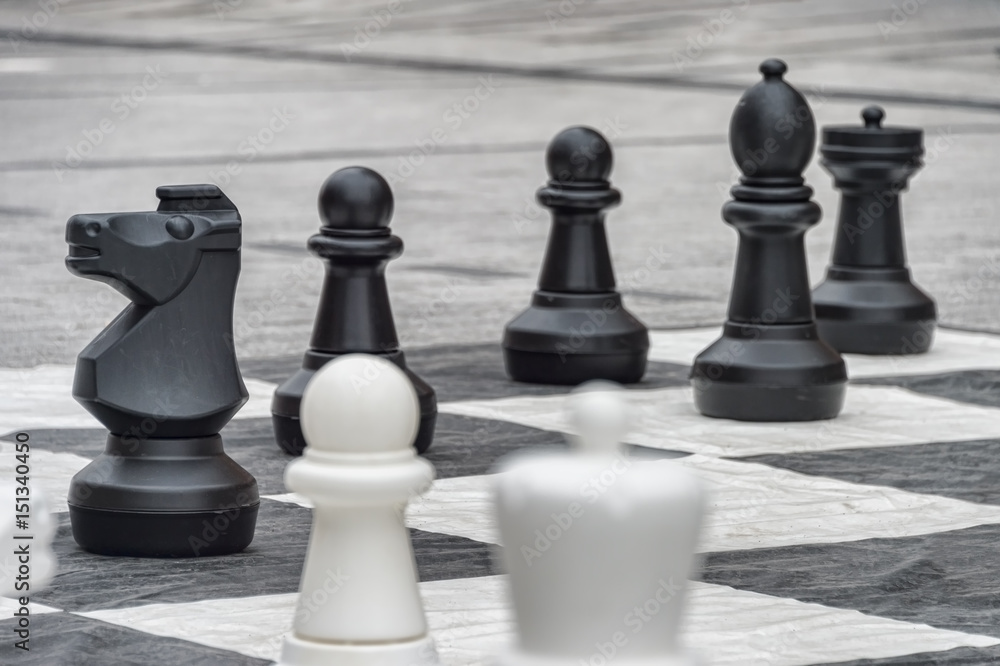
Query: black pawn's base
(569, 339)
(163, 498)
(769, 373)
(288, 399)
(874, 311)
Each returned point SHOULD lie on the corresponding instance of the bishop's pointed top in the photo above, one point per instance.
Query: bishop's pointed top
(355, 199)
(772, 133)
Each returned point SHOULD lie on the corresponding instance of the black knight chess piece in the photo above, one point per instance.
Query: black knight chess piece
(354, 315)
(576, 328)
(163, 378)
(868, 304)
(770, 363)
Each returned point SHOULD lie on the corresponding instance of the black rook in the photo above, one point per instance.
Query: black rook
(868, 304)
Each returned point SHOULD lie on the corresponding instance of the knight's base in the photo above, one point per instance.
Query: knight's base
(569, 339)
(769, 373)
(288, 399)
(150, 534)
(874, 311)
(163, 498)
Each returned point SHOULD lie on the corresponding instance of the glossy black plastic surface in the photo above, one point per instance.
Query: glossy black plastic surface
(770, 363)
(354, 314)
(163, 378)
(868, 304)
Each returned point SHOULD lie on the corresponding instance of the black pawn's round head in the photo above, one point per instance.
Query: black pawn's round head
(579, 155)
(772, 133)
(355, 199)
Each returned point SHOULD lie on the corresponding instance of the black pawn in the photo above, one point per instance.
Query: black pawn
(770, 363)
(354, 314)
(576, 328)
(163, 378)
(868, 304)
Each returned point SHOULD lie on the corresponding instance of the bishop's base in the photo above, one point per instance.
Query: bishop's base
(163, 498)
(297, 651)
(769, 373)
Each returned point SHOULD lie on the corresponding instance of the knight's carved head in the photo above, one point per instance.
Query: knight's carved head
(151, 256)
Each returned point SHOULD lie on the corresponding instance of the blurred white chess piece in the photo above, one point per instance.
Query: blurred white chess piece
(598, 547)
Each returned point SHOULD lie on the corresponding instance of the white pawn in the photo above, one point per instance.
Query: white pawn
(598, 547)
(359, 604)
(27, 563)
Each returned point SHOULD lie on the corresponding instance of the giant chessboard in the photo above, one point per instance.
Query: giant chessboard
(871, 538)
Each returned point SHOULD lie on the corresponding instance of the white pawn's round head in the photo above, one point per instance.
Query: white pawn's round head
(600, 416)
(359, 403)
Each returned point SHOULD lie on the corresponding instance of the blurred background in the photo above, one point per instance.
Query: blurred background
(454, 102)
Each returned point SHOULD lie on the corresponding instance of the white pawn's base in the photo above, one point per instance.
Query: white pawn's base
(299, 652)
(516, 658)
